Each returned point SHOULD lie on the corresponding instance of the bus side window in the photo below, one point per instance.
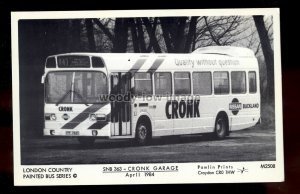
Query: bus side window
(238, 82)
(182, 83)
(142, 84)
(252, 82)
(202, 83)
(163, 83)
(221, 82)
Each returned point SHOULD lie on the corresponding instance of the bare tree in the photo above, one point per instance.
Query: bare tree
(104, 28)
(74, 39)
(268, 54)
(151, 32)
(134, 35)
(191, 34)
(173, 34)
(141, 37)
(173, 29)
(221, 31)
(90, 34)
(104, 34)
(121, 35)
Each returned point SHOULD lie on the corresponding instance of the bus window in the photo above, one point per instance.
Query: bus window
(50, 62)
(182, 83)
(221, 82)
(57, 85)
(75, 87)
(202, 83)
(89, 85)
(163, 83)
(97, 62)
(238, 82)
(252, 82)
(142, 84)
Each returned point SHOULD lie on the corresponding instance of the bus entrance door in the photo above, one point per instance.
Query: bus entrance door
(120, 107)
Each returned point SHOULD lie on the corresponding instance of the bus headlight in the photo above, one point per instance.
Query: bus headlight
(50, 116)
(53, 117)
(93, 117)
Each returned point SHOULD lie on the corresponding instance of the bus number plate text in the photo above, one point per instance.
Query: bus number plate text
(74, 133)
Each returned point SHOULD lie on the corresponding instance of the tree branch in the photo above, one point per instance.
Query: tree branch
(104, 29)
(210, 32)
(151, 33)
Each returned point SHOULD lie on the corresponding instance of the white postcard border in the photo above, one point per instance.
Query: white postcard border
(188, 172)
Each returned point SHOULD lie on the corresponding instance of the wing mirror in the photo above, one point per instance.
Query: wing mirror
(43, 79)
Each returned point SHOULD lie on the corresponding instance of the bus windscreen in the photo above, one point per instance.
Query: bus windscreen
(75, 87)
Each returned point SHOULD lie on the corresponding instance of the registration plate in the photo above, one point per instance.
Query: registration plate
(75, 133)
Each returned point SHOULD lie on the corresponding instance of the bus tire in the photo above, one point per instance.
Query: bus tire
(86, 141)
(221, 127)
(142, 133)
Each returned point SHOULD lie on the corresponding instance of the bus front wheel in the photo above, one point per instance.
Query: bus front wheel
(86, 141)
(143, 134)
(220, 127)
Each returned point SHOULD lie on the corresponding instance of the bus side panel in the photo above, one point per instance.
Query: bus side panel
(249, 113)
(141, 108)
(183, 124)
(163, 124)
(205, 123)
(156, 111)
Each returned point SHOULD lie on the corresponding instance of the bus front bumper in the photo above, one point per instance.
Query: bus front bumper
(103, 132)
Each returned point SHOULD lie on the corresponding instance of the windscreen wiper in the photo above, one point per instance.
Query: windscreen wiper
(80, 96)
(63, 98)
(75, 92)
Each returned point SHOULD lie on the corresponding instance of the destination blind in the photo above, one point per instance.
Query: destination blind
(73, 61)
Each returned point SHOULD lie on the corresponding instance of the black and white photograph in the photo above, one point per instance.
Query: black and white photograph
(137, 96)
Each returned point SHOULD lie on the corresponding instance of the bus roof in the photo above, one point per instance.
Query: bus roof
(226, 50)
(203, 58)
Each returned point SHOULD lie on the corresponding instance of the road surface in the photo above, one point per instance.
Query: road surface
(246, 145)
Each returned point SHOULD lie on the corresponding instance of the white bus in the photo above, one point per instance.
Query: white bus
(213, 90)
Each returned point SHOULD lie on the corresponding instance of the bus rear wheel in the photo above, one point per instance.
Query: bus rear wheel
(142, 134)
(86, 141)
(221, 127)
